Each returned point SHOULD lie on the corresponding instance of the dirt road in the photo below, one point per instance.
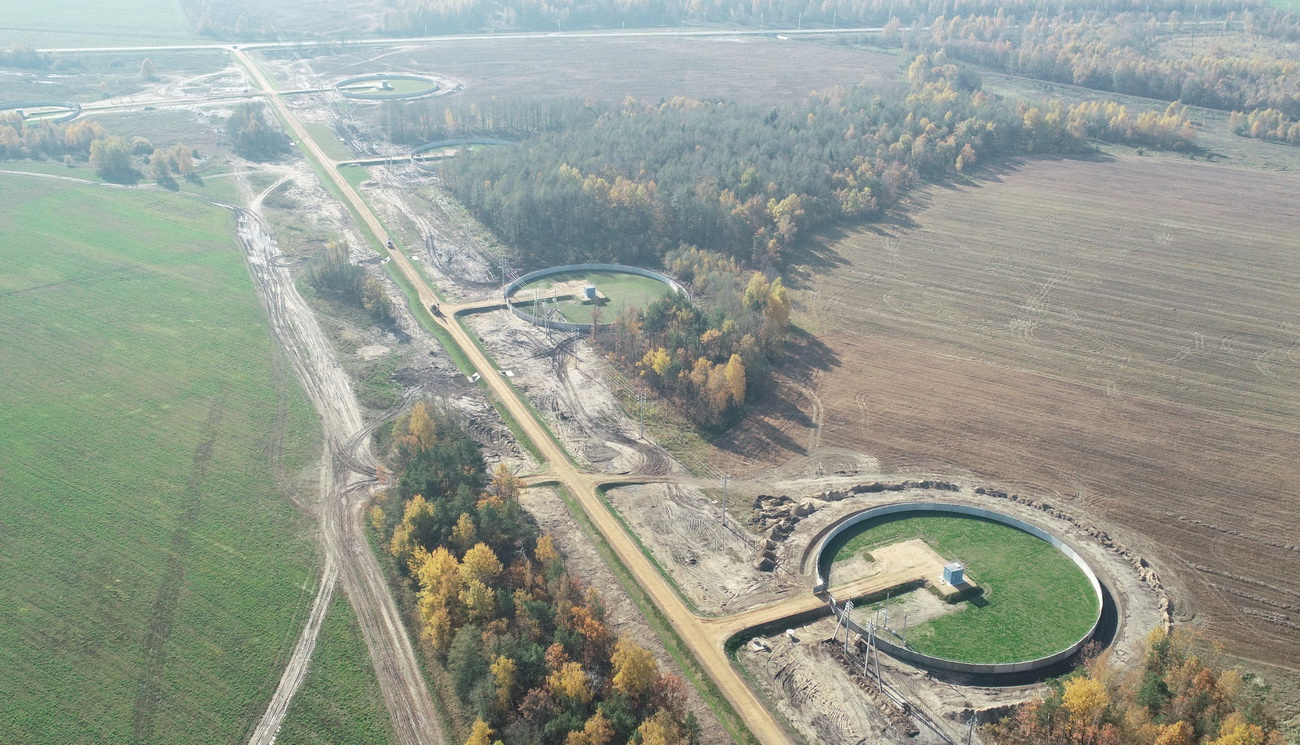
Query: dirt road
(704, 645)
(345, 477)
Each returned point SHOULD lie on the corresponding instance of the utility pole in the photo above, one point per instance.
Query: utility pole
(640, 399)
(725, 479)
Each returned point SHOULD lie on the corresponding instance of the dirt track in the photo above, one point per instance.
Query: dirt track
(409, 716)
(344, 494)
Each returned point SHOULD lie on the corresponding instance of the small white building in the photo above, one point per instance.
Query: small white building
(954, 573)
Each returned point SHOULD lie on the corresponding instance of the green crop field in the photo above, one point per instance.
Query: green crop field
(66, 23)
(1036, 601)
(340, 701)
(622, 289)
(153, 575)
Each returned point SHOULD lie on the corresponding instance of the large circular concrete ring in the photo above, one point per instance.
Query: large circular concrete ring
(939, 663)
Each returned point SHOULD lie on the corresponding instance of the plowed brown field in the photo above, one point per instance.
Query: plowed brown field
(1120, 336)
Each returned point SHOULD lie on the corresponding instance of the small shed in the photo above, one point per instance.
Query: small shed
(589, 292)
(954, 573)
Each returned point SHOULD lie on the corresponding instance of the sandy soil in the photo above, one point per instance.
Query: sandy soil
(827, 704)
(710, 563)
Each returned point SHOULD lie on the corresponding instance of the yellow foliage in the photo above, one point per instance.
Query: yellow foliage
(438, 576)
(598, 730)
(656, 360)
(545, 551)
(660, 730)
(479, 734)
(1177, 733)
(1086, 699)
(736, 383)
(570, 683)
(1243, 734)
(480, 565)
(421, 426)
(635, 669)
(505, 675)
(462, 536)
(505, 484)
(480, 601)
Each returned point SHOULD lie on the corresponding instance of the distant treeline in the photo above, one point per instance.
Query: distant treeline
(1266, 124)
(453, 16)
(431, 119)
(1121, 55)
(642, 180)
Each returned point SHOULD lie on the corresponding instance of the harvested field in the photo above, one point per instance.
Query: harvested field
(1117, 337)
(757, 70)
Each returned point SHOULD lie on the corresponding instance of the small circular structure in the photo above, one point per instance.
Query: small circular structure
(54, 112)
(381, 87)
(900, 649)
(462, 142)
(568, 301)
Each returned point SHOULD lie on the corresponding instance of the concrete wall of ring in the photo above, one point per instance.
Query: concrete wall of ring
(385, 96)
(939, 663)
(510, 289)
(74, 109)
(451, 143)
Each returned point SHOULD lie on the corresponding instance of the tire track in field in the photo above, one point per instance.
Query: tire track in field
(148, 696)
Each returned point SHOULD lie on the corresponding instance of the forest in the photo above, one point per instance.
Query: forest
(1181, 694)
(1121, 54)
(522, 644)
(452, 16)
(643, 180)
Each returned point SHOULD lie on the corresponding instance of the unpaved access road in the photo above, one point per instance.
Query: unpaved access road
(345, 492)
(706, 646)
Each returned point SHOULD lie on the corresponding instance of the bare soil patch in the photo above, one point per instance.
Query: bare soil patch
(1117, 338)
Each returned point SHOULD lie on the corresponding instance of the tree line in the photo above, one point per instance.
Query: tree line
(523, 645)
(1120, 54)
(424, 17)
(1180, 695)
(116, 159)
(1266, 124)
(643, 180)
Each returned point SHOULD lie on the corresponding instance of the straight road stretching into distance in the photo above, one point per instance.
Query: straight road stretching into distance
(410, 694)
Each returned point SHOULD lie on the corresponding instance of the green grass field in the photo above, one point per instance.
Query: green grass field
(329, 142)
(399, 87)
(340, 701)
(65, 23)
(1036, 601)
(622, 289)
(153, 575)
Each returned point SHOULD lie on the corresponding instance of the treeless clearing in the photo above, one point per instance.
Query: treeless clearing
(1120, 334)
(750, 70)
